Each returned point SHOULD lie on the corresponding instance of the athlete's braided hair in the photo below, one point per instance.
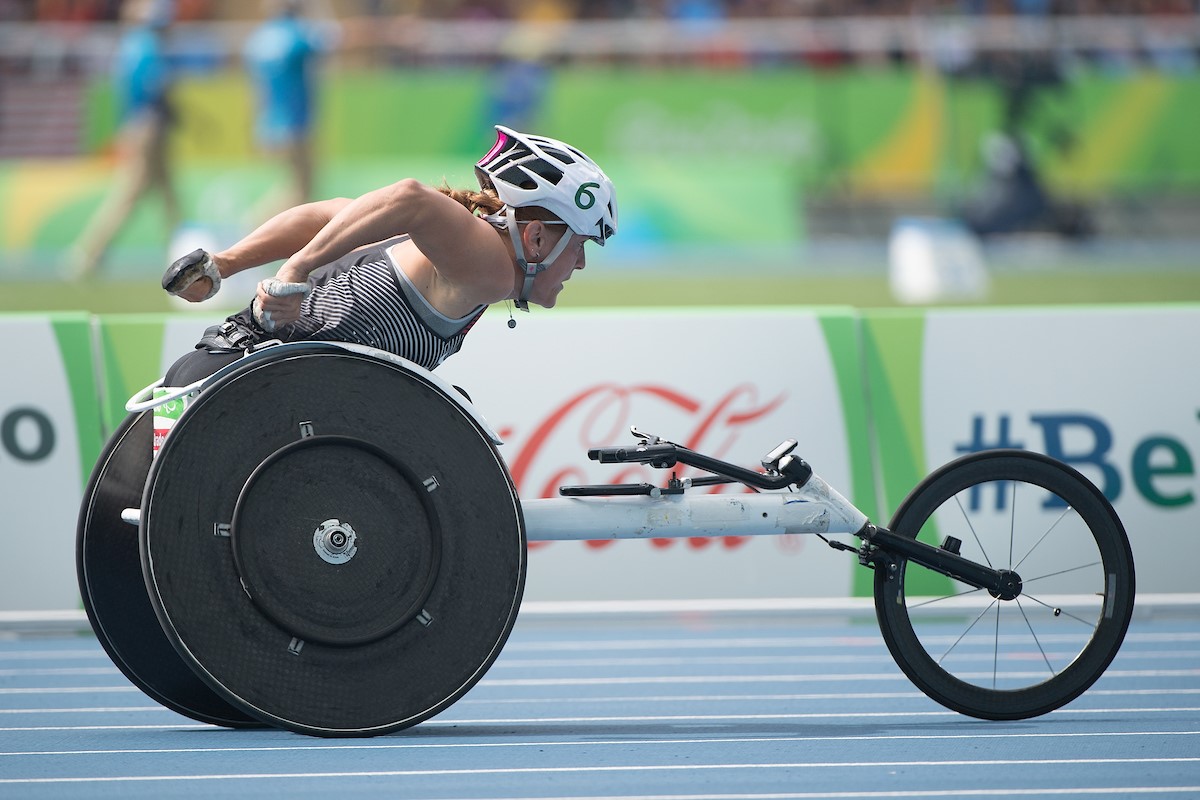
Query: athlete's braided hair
(484, 202)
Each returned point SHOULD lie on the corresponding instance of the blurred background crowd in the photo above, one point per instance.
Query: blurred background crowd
(101, 10)
(792, 135)
(813, 31)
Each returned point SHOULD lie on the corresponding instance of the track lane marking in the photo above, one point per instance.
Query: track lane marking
(1025, 762)
(599, 743)
(688, 718)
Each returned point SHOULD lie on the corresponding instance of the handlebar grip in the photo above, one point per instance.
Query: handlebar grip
(644, 454)
(608, 455)
(664, 455)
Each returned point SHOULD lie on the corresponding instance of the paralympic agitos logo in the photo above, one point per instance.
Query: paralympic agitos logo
(601, 415)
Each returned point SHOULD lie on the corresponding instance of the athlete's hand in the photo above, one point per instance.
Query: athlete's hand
(277, 303)
(194, 277)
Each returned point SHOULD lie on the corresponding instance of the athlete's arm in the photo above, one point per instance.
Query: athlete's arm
(279, 237)
(440, 227)
(274, 240)
(462, 261)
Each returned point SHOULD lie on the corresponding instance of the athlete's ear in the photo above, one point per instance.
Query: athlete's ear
(533, 236)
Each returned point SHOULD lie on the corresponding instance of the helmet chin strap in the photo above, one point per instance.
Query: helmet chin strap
(529, 269)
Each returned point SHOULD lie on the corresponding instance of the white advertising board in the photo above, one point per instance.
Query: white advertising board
(49, 437)
(1112, 392)
(563, 382)
(1108, 390)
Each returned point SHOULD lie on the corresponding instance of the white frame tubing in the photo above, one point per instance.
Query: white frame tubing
(814, 508)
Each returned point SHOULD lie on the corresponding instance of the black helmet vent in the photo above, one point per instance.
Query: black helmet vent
(559, 154)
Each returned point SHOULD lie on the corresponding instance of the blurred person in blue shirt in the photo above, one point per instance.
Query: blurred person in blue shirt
(281, 56)
(142, 78)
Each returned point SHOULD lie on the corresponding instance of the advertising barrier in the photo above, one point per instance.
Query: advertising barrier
(49, 439)
(876, 400)
(562, 382)
(137, 349)
(1106, 390)
(731, 384)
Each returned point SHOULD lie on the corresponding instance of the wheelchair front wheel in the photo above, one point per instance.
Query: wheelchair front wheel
(996, 659)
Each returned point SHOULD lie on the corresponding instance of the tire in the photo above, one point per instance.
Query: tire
(113, 589)
(996, 659)
(294, 628)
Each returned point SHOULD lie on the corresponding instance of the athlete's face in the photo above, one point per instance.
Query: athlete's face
(549, 282)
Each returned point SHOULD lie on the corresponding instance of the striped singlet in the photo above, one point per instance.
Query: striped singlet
(365, 298)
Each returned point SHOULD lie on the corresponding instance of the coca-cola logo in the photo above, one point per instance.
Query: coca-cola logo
(553, 452)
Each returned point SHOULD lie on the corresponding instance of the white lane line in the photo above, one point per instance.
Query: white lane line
(598, 743)
(716, 643)
(183, 726)
(561, 701)
(777, 698)
(1130, 791)
(692, 698)
(681, 698)
(70, 689)
(691, 718)
(40, 671)
(831, 678)
(1134, 692)
(798, 765)
(1123, 791)
(1111, 674)
(665, 718)
(53, 655)
(1183, 656)
(526, 664)
(85, 710)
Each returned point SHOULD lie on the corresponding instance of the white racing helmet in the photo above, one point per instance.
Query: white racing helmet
(528, 170)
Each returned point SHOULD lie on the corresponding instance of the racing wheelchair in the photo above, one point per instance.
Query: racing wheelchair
(329, 542)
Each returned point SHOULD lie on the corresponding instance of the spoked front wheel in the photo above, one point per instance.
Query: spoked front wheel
(1008, 659)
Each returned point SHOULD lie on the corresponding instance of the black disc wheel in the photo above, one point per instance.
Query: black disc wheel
(1008, 659)
(332, 543)
(114, 592)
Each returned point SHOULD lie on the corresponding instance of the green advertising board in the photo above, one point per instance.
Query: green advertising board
(706, 158)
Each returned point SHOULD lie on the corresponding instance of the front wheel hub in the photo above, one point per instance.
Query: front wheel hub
(1010, 586)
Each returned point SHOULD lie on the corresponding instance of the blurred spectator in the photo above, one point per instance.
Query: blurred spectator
(517, 88)
(705, 32)
(76, 10)
(143, 80)
(1168, 46)
(281, 57)
(13, 10)
(703, 23)
(1032, 8)
(518, 84)
(703, 15)
(1012, 198)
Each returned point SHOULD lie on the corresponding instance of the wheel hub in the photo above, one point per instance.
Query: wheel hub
(1010, 586)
